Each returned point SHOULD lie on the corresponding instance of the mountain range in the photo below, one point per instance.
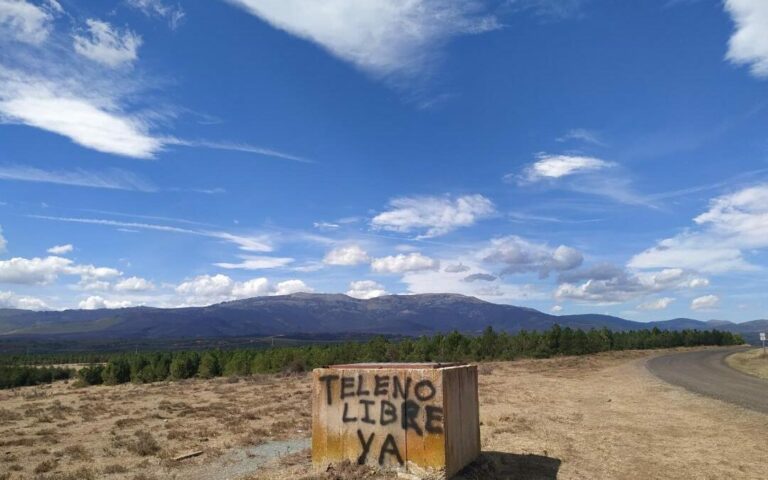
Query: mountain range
(322, 314)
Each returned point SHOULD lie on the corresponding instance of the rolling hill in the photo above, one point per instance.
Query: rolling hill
(316, 314)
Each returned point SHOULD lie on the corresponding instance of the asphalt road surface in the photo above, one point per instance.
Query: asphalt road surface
(705, 372)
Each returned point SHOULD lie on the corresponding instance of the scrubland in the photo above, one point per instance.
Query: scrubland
(594, 417)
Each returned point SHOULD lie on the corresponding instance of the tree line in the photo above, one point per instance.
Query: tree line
(146, 367)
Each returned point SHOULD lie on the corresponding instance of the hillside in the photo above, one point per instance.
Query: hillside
(311, 314)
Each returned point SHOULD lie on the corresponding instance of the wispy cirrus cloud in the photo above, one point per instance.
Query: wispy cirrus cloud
(252, 243)
(105, 44)
(252, 262)
(174, 14)
(555, 9)
(236, 147)
(734, 225)
(66, 84)
(581, 135)
(582, 174)
(116, 179)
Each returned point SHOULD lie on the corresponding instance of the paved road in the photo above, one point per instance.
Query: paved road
(705, 372)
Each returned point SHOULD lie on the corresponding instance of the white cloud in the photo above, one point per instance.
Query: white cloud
(749, 43)
(96, 123)
(433, 215)
(292, 286)
(21, 270)
(549, 167)
(116, 179)
(734, 223)
(365, 289)
(556, 309)
(707, 302)
(134, 284)
(24, 21)
(204, 286)
(61, 249)
(3, 241)
(11, 300)
(174, 14)
(107, 45)
(382, 37)
(256, 287)
(346, 255)
(404, 263)
(256, 262)
(96, 302)
(657, 304)
(517, 255)
(208, 289)
(611, 284)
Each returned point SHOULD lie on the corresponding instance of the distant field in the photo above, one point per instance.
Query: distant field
(752, 362)
(593, 417)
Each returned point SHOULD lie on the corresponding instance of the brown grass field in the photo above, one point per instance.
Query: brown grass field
(753, 362)
(596, 417)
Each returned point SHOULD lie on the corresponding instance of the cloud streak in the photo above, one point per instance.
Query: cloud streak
(114, 179)
(258, 243)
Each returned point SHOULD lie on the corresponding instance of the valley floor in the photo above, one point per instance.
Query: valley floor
(603, 416)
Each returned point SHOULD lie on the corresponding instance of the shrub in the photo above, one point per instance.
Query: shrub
(144, 445)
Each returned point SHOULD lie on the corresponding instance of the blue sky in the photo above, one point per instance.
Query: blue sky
(568, 155)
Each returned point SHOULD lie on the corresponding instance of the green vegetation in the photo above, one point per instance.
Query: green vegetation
(146, 367)
(20, 376)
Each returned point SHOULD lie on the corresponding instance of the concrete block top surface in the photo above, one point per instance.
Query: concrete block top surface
(396, 366)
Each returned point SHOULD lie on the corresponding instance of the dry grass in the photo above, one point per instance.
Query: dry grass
(597, 417)
(752, 362)
(132, 431)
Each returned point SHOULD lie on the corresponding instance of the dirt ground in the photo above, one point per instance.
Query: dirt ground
(596, 417)
(753, 362)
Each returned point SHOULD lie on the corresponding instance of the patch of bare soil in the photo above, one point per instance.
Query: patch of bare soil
(752, 362)
(595, 417)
